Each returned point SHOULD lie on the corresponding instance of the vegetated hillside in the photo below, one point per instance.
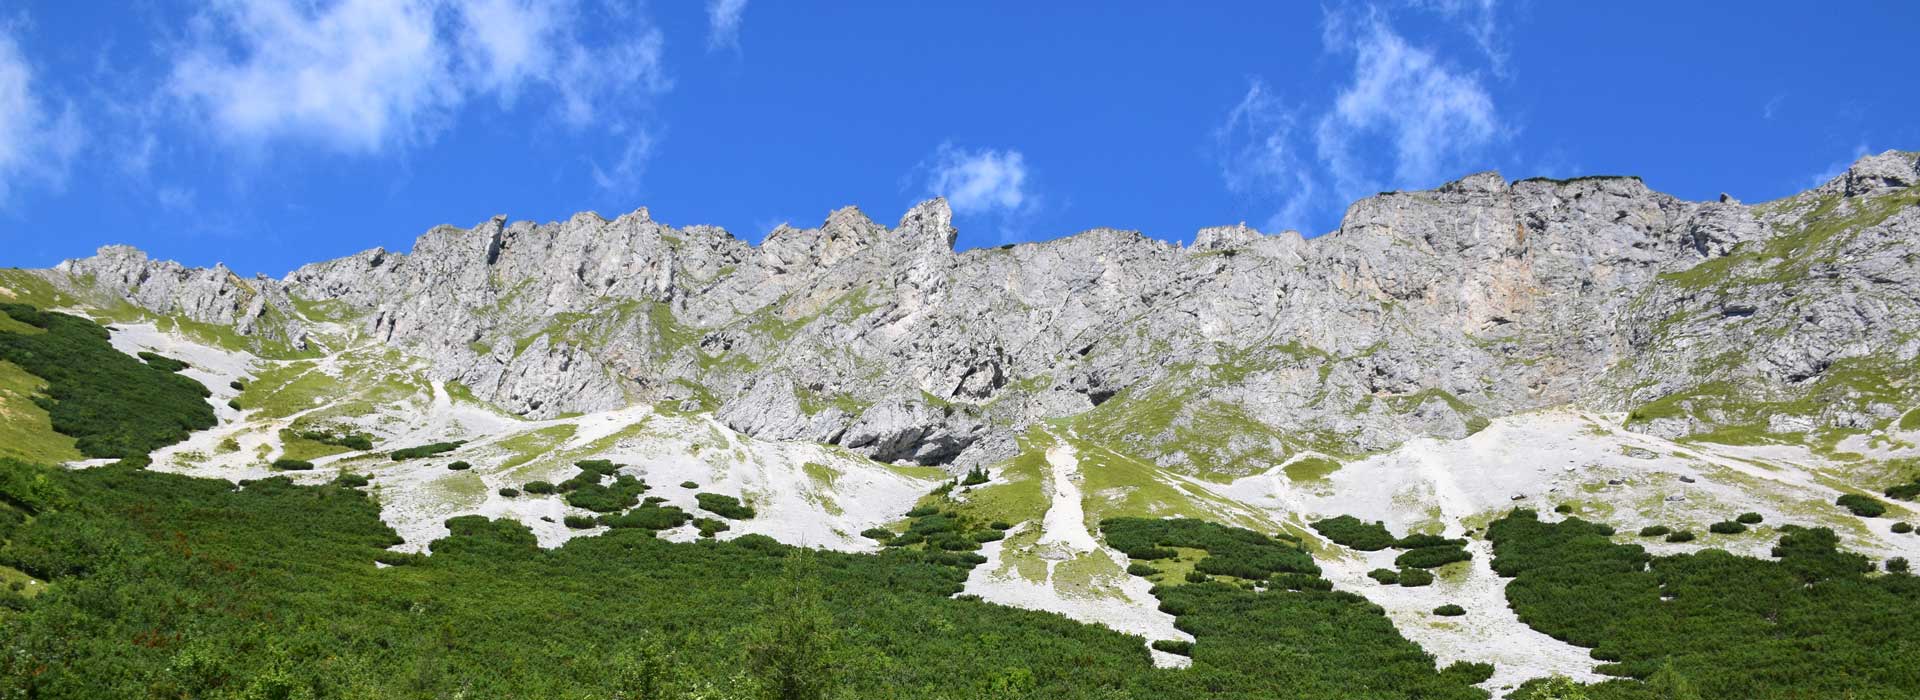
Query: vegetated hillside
(612, 438)
(177, 586)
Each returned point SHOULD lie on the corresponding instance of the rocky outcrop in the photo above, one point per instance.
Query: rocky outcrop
(1424, 313)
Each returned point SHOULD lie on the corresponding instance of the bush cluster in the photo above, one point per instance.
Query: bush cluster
(508, 492)
(537, 487)
(1726, 527)
(1902, 527)
(111, 404)
(162, 362)
(1450, 610)
(1386, 577)
(1905, 492)
(648, 518)
(459, 465)
(579, 522)
(622, 494)
(1236, 552)
(292, 465)
(1681, 536)
(1174, 646)
(723, 505)
(1353, 533)
(1655, 530)
(1863, 506)
(975, 477)
(710, 526)
(1749, 519)
(427, 450)
(1414, 578)
(352, 441)
(353, 480)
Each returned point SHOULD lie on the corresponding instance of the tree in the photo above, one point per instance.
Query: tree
(793, 651)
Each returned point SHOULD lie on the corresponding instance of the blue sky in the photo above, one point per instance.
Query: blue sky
(270, 133)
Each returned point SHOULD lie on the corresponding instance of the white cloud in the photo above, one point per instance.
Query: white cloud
(984, 181)
(723, 23)
(361, 76)
(1403, 118)
(35, 144)
(1259, 155)
(1433, 118)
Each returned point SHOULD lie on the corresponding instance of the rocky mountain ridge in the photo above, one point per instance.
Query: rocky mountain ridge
(1423, 314)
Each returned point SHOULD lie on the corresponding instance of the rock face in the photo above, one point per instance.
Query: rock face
(1425, 313)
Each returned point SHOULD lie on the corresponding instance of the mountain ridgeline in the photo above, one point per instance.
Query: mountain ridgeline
(1424, 314)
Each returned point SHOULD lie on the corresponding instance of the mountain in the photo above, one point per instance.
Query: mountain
(1441, 357)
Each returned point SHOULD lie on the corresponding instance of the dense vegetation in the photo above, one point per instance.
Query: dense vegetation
(112, 404)
(170, 586)
(1813, 623)
(1294, 637)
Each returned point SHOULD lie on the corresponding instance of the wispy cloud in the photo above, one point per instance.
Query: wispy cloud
(1260, 158)
(1403, 118)
(36, 142)
(1430, 116)
(1772, 106)
(1838, 167)
(1480, 19)
(723, 23)
(366, 76)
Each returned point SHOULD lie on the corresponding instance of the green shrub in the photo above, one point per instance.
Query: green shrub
(647, 518)
(1300, 582)
(1726, 527)
(537, 487)
(1384, 576)
(427, 450)
(1450, 610)
(1174, 646)
(1863, 506)
(1905, 492)
(1897, 565)
(508, 492)
(1749, 519)
(292, 465)
(624, 493)
(652, 501)
(236, 385)
(975, 477)
(689, 485)
(723, 506)
(987, 535)
(1141, 570)
(459, 466)
(110, 403)
(877, 533)
(1902, 527)
(162, 362)
(1655, 530)
(922, 511)
(709, 526)
(602, 466)
(353, 480)
(234, 404)
(1197, 576)
(579, 522)
(1235, 552)
(1423, 541)
(1563, 508)
(1681, 536)
(1415, 578)
(1353, 533)
(999, 525)
(1430, 557)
